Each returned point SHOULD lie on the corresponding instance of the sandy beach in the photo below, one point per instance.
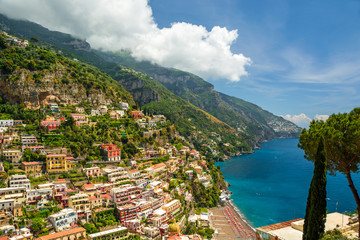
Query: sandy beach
(228, 224)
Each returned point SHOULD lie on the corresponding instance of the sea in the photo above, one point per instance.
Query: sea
(272, 184)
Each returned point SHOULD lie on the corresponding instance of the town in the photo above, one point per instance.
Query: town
(52, 192)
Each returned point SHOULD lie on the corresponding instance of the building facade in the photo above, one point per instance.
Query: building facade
(35, 168)
(12, 156)
(64, 219)
(111, 152)
(58, 163)
(17, 181)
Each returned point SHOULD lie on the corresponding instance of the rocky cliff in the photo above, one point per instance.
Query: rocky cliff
(47, 90)
(35, 76)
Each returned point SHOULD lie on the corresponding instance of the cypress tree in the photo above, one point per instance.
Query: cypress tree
(315, 215)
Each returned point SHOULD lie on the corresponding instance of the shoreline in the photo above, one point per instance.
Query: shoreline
(240, 214)
(229, 223)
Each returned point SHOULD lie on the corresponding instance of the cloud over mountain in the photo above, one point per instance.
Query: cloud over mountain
(302, 120)
(114, 25)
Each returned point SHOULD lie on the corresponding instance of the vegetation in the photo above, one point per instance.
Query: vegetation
(40, 61)
(180, 109)
(342, 148)
(333, 235)
(315, 216)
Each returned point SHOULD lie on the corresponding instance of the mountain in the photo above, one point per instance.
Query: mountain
(40, 76)
(35, 76)
(243, 116)
(158, 89)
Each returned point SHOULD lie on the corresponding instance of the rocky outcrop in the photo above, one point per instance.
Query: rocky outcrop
(48, 90)
(78, 44)
(137, 87)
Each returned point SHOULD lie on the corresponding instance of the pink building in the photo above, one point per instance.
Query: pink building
(124, 194)
(79, 118)
(111, 152)
(93, 172)
(49, 125)
(127, 212)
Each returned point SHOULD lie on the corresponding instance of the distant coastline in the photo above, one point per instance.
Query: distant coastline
(271, 185)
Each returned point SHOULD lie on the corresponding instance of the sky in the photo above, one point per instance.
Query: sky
(297, 59)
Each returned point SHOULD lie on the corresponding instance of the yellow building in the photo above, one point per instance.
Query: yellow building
(172, 208)
(58, 163)
(80, 202)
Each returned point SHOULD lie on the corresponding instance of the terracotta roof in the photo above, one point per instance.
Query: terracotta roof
(60, 180)
(36, 147)
(105, 196)
(159, 165)
(133, 171)
(30, 163)
(86, 186)
(4, 238)
(62, 234)
(174, 238)
(278, 225)
(92, 197)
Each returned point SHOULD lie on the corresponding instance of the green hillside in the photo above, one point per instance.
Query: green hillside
(30, 75)
(169, 91)
(245, 117)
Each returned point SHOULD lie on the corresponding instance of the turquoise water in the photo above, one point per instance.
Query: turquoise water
(272, 184)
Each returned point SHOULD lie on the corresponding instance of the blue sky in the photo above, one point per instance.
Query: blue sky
(288, 57)
(305, 54)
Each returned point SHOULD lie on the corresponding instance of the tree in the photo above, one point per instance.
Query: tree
(341, 134)
(30, 156)
(3, 43)
(37, 224)
(334, 235)
(315, 216)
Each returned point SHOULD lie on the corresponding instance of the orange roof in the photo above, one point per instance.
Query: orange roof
(92, 197)
(133, 171)
(85, 186)
(30, 163)
(60, 180)
(4, 238)
(278, 225)
(174, 238)
(51, 155)
(40, 146)
(159, 165)
(105, 196)
(62, 234)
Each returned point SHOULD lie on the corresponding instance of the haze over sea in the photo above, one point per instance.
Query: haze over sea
(272, 184)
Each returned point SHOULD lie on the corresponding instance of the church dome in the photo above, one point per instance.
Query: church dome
(174, 228)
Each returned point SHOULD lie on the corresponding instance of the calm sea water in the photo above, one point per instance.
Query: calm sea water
(272, 184)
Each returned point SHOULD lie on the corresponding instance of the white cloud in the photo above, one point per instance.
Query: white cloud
(321, 117)
(129, 24)
(302, 120)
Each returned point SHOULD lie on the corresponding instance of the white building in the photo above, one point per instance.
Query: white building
(12, 156)
(6, 123)
(92, 171)
(123, 105)
(64, 219)
(95, 112)
(19, 181)
(27, 141)
(118, 176)
(134, 173)
(7, 205)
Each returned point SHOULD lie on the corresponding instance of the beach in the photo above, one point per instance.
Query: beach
(228, 224)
